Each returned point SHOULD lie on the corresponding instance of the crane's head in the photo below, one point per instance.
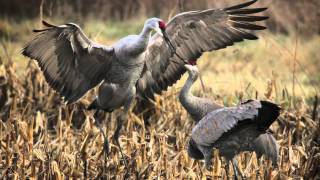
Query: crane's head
(159, 26)
(156, 24)
(192, 70)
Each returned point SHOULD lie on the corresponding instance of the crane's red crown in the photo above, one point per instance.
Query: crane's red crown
(162, 25)
(192, 62)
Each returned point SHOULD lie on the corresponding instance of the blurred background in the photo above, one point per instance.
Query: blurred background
(286, 15)
(282, 66)
(290, 45)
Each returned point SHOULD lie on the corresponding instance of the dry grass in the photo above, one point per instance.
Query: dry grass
(41, 138)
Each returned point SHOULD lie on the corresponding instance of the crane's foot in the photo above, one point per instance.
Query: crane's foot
(236, 169)
(227, 167)
(258, 175)
(208, 164)
(209, 167)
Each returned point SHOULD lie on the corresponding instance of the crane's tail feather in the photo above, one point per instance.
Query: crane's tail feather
(193, 150)
(267, 145)
(267, 114)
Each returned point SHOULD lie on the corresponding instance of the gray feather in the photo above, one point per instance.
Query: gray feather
(220, 121)
(72, 64)
(267, 145)
(193, 33)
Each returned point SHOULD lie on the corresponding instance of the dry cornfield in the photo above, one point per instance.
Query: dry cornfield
(41, 138)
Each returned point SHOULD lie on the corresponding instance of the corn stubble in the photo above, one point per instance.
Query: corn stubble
(41, 138)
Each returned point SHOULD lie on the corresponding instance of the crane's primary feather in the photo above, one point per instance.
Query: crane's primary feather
(72, 63)
(193, 33)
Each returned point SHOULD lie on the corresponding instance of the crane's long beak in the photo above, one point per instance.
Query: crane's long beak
(159, 31)
(166, 38)
(173, 49)
(163, 33)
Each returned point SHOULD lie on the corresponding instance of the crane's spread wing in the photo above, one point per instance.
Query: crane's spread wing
(211, 127)
(72, 64)
(193, 33)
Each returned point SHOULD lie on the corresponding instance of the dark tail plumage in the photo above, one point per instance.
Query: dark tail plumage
(193, 150)
(268, 113)
(93, 105)
(266, 144)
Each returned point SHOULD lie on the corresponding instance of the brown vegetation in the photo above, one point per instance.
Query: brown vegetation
(42, 138)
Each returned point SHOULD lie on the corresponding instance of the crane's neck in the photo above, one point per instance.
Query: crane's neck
(197, 107)
(188, 100)
(186, 89)
(146, 32)
(145, 35)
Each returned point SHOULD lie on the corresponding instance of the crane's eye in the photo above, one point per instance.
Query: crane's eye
(162, 25)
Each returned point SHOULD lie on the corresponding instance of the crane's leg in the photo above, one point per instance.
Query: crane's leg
(120, 120)
(236, 169)
(258, 169)
(106, 142)
(116, 135)
(207, 153)
(227, 168)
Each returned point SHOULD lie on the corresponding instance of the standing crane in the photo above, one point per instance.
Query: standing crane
(230, 129)
(137, 65)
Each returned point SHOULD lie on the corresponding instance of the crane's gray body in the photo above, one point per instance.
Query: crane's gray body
(233, 130)
(118, 88)
(229, 129)
(129, 59)
(231, 144)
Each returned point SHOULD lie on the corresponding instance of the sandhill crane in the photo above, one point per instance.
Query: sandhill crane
(73, 64)
(230, 129)
(137, 65)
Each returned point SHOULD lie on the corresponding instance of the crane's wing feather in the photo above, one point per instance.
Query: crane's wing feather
(72, 64)
(193, 33)
(211, 127)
